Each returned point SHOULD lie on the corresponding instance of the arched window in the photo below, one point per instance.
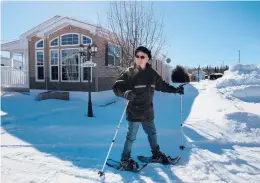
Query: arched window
(39, 44)
(86, 40)
(39, 60)
(69, 39)
(54, 42)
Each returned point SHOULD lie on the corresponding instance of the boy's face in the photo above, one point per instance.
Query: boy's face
(141, 58)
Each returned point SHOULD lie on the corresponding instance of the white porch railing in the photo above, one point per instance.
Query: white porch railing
(13, 78)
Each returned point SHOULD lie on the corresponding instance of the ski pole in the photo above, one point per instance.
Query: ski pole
(101, 172)
(182, 134)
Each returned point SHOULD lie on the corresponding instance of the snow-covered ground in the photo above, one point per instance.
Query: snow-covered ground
(53, 141)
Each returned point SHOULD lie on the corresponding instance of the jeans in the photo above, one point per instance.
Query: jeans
(149, 129)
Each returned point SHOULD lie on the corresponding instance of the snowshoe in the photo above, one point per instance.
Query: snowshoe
(124, 166)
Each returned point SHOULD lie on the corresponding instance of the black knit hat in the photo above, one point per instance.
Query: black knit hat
(145, 50)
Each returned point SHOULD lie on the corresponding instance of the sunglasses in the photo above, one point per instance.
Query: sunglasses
(137, 56)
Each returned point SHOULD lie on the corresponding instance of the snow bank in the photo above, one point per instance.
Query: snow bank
(240, 75)
(241, 81)
(247, 93)
(97, 98)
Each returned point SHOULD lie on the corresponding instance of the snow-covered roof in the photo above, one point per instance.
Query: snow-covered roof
(46, 28)
(60, 23)
(55, 23)
(217, 74)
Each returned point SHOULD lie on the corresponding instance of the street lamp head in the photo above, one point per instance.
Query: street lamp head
(89, 48)
(168, 60)
(94, 48)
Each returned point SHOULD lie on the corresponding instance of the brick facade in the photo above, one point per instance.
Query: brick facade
(102, 76)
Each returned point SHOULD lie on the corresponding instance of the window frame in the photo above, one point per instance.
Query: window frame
(82, 71)
(61, 62)
(69, 44)
(50, 65)
(51, 46)
(114, 45)
(38, 43)
(37, 66)
(82, 35)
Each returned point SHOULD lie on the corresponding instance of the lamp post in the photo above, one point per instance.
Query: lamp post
(86, 55)
(164, 63)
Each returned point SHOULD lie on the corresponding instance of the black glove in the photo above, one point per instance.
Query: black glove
(180, 90)
(129, 95)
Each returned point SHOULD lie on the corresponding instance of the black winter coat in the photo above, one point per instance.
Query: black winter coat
(142, 82)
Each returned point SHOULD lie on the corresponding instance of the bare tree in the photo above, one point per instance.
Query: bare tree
(132, 24)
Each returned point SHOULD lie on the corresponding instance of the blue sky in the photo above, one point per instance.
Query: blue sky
(205, 33)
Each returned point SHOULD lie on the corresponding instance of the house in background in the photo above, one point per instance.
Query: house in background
(162, 68)
(44, 50)
(198, 75)
(16, 64)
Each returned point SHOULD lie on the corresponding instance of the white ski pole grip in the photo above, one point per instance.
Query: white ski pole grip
(101, 172)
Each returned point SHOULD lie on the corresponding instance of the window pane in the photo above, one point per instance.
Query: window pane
(117, 51)
(54, 73)
(85, 73)
(86, 40)
(70, 73)
(54, 42)
(74, 41)
(40, 73)
(117, 61)
(39, 58)
(65, 54)
(54, 57)
(70, 69)
(111, 60)
(64, 74)
(111, 49)
(70, 39)
(40, 44)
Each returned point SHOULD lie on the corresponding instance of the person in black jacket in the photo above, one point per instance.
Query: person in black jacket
(137, 84)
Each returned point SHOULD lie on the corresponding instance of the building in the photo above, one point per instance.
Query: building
(16, 64)
(162, 68)
(197, 75)
(45, 47)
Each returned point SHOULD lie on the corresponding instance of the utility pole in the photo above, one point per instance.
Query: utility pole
(199, 74)
(222, 69)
